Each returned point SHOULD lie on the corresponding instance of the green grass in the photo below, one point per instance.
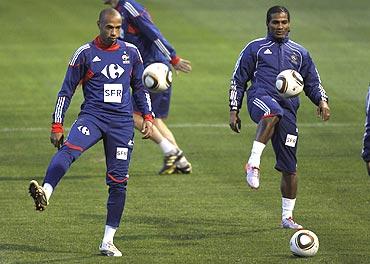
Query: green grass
(209, 216)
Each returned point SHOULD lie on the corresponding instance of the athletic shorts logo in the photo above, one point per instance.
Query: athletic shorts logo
(84, 130)
(121, 153)
(291, 140)
(113, 93)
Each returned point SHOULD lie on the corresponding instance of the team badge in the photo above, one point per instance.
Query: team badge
(125, 58)
(294, 58)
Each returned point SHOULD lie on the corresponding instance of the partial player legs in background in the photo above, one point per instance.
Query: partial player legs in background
(174, 160)
(182, 165)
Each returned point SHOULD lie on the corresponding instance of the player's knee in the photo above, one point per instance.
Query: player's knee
(69, 154)
(117, 183)
(115, 187)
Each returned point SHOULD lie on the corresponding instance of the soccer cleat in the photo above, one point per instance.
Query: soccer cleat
(110, 250)
(187, 169)
(38, 195)
(169, 161)
(252, 175)
(290, 224)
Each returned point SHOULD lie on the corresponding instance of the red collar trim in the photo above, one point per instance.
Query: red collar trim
(99, 44)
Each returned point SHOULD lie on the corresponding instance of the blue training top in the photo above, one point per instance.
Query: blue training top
(261, 61)
(106, 75)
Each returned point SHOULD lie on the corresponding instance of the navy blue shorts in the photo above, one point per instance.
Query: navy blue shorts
(118, 140)
(160, 103)
(285, 138)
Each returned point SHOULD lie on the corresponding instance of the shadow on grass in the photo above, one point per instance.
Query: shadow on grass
(190, 229)
(36, 249)
(16, 247)
(40, 178)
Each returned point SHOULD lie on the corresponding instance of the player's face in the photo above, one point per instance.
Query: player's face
(110, 29)
(279, 25)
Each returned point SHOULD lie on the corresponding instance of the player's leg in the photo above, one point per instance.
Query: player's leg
(178, 159)
(367, 163)
(118, 146)
(171, 152)
(83, 134)
(165, 131)
(266, 112)
(174, 159)
(366, 143)
(284, 142)
(165, 145)
(173, 162)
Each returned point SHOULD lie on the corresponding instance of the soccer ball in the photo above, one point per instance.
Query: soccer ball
(289, 83)
(157, 77)
(304, 243)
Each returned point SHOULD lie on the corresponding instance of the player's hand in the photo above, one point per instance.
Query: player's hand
(183, 66)
(235, 122)
(57, 139)
(147, 129)
(323, 111)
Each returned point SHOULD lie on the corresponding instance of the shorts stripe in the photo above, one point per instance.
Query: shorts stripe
(261, 105)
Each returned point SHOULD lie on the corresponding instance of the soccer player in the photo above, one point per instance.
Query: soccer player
(366, 148)
(106, 67)
(259, 63)
(139, 29)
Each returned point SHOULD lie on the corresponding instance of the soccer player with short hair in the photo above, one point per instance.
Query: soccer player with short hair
(139, 29)
(259, 63)
(106, 67)
(366, 141)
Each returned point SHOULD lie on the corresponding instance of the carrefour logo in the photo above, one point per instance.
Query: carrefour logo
(84, 130)
(112, 71)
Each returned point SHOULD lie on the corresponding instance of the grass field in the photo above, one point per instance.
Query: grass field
(209, 216)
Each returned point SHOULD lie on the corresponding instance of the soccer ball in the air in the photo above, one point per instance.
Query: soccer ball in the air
(157, 77)
(289, 83)
(304, 243)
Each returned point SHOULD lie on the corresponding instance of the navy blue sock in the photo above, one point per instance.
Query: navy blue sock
(115, 204)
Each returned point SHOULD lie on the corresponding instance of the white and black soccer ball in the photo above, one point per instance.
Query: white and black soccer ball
(304, 243)
(157, 77)
(289, 83)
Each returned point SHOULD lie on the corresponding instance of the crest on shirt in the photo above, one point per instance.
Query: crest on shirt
(125, 58)
(294, 58)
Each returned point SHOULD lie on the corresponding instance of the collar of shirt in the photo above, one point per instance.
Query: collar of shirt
(270, 36)
(99, 44)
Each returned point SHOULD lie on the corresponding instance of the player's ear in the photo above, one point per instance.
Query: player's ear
(98, 23)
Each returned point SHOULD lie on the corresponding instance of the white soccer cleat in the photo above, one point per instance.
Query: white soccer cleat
(252, 175)
(290, 224)
(109, 250)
